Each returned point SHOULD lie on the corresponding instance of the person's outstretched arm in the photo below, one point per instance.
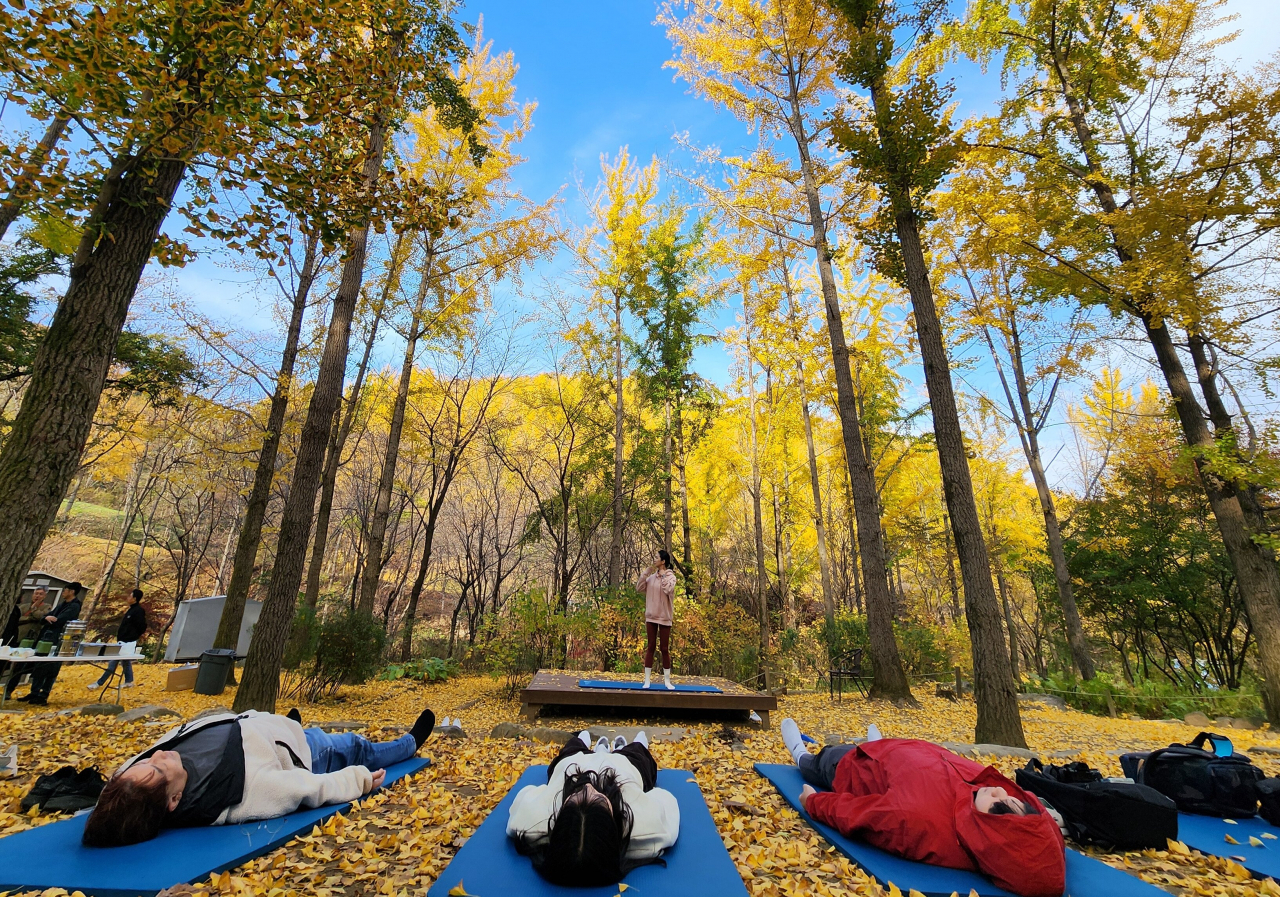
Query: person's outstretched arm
(276, 792)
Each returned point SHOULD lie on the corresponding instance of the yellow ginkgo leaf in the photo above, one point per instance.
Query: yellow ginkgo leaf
(1268, 836)
(1230, 822)
(1230, 840)
(1255, 842)
(459, 891)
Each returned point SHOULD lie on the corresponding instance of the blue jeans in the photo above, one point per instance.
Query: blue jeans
(111, 668)
(332, 751)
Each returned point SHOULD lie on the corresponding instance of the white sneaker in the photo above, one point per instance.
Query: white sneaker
(619, 742)
(642, 737)
(585, 737)
(127, 685)
(602, 746)
(93, 686)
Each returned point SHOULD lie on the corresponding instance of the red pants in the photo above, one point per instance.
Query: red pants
(656, 631)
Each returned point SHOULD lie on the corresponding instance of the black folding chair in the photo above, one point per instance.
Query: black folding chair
(846, 668)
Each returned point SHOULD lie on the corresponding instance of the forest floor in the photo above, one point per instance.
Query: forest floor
(398, 841)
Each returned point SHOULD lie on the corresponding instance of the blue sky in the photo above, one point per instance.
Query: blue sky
(596, 71)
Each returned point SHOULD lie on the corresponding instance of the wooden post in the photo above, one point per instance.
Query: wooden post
(959, 685)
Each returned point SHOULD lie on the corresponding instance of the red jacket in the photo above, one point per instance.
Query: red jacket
(915, 799)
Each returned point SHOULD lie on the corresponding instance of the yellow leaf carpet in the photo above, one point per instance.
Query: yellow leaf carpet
(398, 841)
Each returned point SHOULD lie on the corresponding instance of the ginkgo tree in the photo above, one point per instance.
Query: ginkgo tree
(773, 64)
(1151, 186)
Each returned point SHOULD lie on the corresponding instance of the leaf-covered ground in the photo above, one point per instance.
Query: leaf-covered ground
(399, 840)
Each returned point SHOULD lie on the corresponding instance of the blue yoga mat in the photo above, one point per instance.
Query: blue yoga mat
(51, 856)
(697, 866)
(1086, 877)
(639, 686)
(1207, 834)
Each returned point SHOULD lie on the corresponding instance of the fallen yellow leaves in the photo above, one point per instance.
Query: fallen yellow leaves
(399, 841)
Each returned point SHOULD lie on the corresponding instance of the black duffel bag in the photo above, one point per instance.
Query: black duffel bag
(1210, 782)
(1269, 800)
(1112, 815)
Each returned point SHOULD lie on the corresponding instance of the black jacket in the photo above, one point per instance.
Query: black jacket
(65, 613)
(133, 624)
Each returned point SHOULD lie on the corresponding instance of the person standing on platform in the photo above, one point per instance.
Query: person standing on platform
(658, 585)
(132, 626)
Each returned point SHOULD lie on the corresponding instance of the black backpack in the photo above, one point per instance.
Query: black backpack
(1269, 800)
(1112, 815)
(1198, 779)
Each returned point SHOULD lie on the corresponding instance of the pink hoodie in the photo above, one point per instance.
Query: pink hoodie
(658, 588)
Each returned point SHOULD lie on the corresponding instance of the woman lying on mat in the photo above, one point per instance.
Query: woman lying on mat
(920, 801)
(599, 816)
(224, 769)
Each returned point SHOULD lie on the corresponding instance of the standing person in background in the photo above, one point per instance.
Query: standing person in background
(132, 626)
(658, 585)
(12, 629)
(44, 674)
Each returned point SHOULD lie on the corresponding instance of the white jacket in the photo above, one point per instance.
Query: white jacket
(273, 784)
(655, 814)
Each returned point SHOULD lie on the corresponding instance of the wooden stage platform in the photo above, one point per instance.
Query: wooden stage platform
(561, 689)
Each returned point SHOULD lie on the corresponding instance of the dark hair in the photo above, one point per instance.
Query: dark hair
(128, 811)
(585, 844)
(1000, 808)
(76, 588)
(137, 593)
(665, 557)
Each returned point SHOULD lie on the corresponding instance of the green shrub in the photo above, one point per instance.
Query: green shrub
(927, 650)
(430, 669)
(348, 651)
(1147, 698)
(527, 638)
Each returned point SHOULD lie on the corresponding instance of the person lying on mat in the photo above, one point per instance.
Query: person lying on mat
(224, 769)
(920, 801)
(599, 816)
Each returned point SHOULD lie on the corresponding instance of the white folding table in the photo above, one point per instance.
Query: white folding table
(99, 661)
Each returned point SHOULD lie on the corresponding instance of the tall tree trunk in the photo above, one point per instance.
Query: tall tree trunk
(1224, 432)
(1029, 433)
(615, 532)
(762, 576)
(20, 191)
(1254, 565)
(131, 501)
(42, 452)
(819, 520)
(951, 567)
(994, 689)
(1257, 576)
(246, 554)
(668, 512)
(65, 514)
(686, 529)
(1002, 582)
(338, 436)
(889, 677)
(261, 682)
(429, 534)
(386, 482)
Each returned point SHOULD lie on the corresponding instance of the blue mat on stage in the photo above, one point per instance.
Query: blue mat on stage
(697, 866)
(1086, 877)
(1208, 834)
(639, 686)
(51, 856)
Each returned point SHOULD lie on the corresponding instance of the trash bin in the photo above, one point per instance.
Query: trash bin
(215, 666)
